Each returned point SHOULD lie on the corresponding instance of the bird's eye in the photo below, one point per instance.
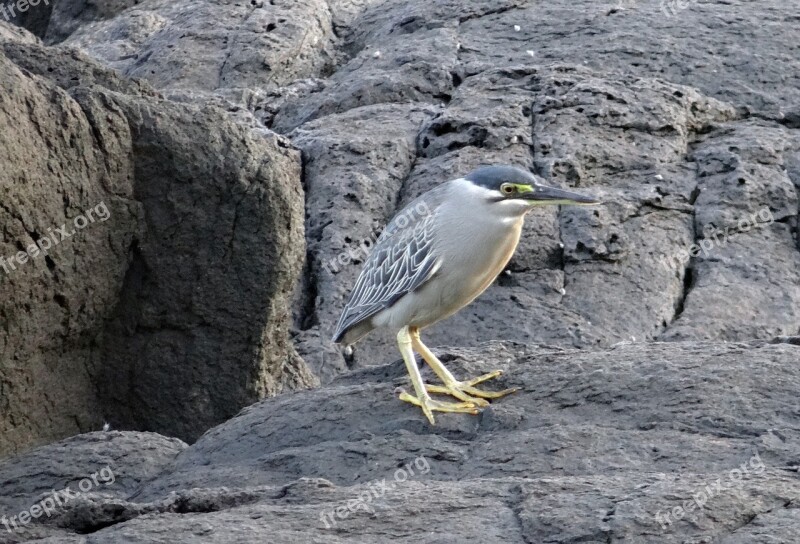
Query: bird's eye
(507, 188)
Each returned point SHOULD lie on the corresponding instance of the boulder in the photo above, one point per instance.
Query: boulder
(658, 442)
(166, 305)
(67, 16)
(68, 217)
(659, 108)
(661, 124)
(179, 45)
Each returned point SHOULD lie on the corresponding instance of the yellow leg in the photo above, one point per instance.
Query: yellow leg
(464, 391)
(423, 399)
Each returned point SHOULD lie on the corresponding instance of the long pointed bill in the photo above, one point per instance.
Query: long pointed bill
(552, 195)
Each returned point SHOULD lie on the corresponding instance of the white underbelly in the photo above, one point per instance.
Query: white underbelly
(463, 276)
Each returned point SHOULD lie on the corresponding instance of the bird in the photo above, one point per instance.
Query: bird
(435, 257)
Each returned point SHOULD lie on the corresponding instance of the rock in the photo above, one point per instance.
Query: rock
(69, 68)
(646, 106)
(352, 190)
(105, 466)
(745, 217)
(11, 33)
(178, 45)
(220, 200)
(33, 15)
(625, 131)
(688, 43)
(55, 303)
(69, 15)
(681, 116)
(629, 246)
(54, 20)
(667, 442)
(132, 457)
(136, 320)
(389, 72)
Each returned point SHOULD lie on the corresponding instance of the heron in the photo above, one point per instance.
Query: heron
(435, 257)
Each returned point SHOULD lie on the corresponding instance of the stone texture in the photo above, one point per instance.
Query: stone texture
(658, 107)
(11, 33)
(134, 458)
(634, 142)
(210, 45)
(208, 288)
(593, 446)
(53, 306)
(69, 15)
(586, 95)
(34, 16)
(173, 312)
(681, 116)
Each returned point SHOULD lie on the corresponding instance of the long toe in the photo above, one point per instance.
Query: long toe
(467, 392)
(457, 393)
(430, 405)
(468, 386)
(487, 394)
(485, 377)
(405, 397)
(453, 407)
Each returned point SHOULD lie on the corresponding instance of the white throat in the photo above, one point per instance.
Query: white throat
(484, 202)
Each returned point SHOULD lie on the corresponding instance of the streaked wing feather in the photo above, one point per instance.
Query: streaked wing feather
(401, 261)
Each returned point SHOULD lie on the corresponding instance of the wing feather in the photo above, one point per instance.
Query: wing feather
(401, 261)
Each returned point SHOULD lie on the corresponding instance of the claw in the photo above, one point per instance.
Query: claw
(457, 393)
(485, 377)
(430, 405)
(472, 399)
(466, 392)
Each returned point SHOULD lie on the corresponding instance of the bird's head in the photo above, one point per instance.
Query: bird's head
(510, 184)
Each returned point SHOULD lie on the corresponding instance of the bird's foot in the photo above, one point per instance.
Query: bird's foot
(467, 392)
(430, 405)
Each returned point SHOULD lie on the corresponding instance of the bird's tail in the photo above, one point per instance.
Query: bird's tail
(354, 333)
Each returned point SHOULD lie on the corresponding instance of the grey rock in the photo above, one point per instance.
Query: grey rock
(220, 201)
(745, 222)
(69, 15)
(69, 68)
(12, 33)
(33, 16)
(132, 457)
(138, 319)
(594, 446)
(577, 270)
(388, 73)
(682, 117)
(61, 478)
(53, 306)
(587, 96)
(646, 105)
(208, 46)
(54, 20)
(699, 44)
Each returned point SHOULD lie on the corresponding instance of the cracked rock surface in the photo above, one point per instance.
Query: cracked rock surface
(683, 117)
(191, 266)
(250, 152)
(592, 448)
